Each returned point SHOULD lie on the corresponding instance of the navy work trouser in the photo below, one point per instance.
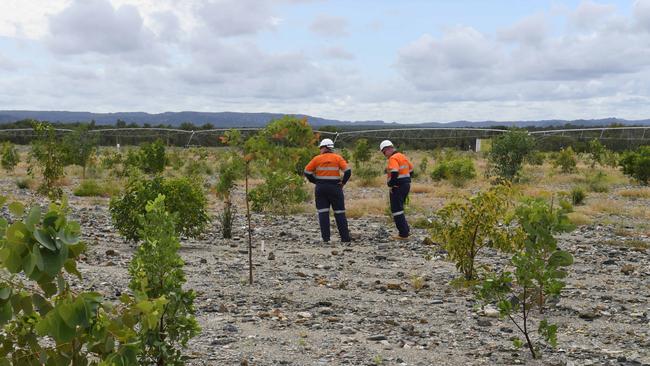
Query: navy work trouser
(398, 196)
(331, 194)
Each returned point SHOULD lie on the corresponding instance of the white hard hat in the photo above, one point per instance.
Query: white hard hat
(327, 142)
(384, 144)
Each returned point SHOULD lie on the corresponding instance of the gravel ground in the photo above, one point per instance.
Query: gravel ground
(328, 304)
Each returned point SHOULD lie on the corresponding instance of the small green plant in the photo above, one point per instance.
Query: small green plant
(48, 155)
(157, 271)
(423, 166)
(578, 195)
(280, 192)
(597, 152)
(465, 228)
(231, 169)
(636, 164)
(508, 153)
(184, 196)
(598, 182)
(43, 320)
(417, 282)
(10, 157)
(364, 169)
(78, 146)
(539, 270)
(566, 160)
(535, 157)
(152, 158)
(23, 183)
(458, 170)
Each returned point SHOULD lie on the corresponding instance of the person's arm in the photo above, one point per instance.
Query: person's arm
(309, 171)
(393, 169)
(392, 182)
(347, 172)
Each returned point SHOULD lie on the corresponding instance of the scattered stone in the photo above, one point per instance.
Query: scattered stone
(377, 337)
(304, 315)
(271, 256)
(627, 269)
(111, 252)
(484, 323)
(588, 315)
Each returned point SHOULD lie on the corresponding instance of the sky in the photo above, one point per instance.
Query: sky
(407, 61)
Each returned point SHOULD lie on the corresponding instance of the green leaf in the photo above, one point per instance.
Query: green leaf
(5, 292)
(33, 217)
(16, 208)
(67, 237)
(42, 305)
(71, 313)
(70, 266)
(6, 313)
(44, 239)
(560, 258)
(48, 288)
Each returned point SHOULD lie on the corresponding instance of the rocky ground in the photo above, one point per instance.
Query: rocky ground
(316, 304)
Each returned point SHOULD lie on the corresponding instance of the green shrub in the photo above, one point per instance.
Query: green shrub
(535, 158)
(598, 182)
(539, 269)
(10, 157)
(597, 152)
(184, 196)
(578, 195)
(280, 192)
(152, 158)
(508, 152)
(466, 227)
(78, 146)
(157, 271)
(47, 154)
(636, 164)
(566, 160)
(458, 170)
(423, 166)
(198, 168)
(43, 321)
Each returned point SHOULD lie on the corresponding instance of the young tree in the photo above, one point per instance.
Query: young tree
(47, 153)
(566, 160)
(43, 321)
(636, 164)
(79, 146)
(465, 228)
(508, 153)
(10, 157)
(539, 270)
(157, 271)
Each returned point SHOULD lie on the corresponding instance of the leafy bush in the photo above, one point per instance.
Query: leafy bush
(45, 322)
(47, 153)
(280, 192)
(152, 158)
(280, 152)
(539, 267)
(535, 158)
(636, 164)
(423, 166)
(157, 271)
(458, 170)
(10, 157)
(465, 228)
(198, 168)
(598, 182)
(362, 152)
(78, 146)
(578, 195)
(184, 196)
(566, 160)
(508, 153)
(597, 152)
(231, 169)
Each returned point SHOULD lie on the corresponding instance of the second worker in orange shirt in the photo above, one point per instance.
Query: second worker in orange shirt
(398, 169)
(324, 171)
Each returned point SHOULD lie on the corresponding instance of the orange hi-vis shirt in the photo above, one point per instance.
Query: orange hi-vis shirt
(399, 163)
(327, 166)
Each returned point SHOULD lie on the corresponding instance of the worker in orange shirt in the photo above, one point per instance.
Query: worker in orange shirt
(399, 170)
(324, 170)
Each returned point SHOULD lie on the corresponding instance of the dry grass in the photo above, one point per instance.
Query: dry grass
(366, 206)
(421, 188)
(579, 219)
(636, 193)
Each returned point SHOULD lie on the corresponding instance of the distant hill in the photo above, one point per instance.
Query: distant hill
(237, 119)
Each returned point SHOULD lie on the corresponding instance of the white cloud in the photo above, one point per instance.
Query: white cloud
(330, 26)
(338, 53)
(95, 26)
(237, 17)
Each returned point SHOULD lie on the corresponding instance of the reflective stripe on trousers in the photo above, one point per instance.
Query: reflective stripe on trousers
(398, 195)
